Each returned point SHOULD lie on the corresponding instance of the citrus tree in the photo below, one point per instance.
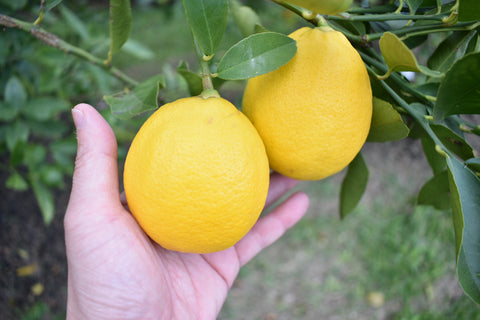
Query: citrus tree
(438, 41)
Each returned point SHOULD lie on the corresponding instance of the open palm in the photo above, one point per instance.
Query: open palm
(117, 272)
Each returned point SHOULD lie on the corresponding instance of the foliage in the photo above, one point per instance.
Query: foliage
(431, 108)
(38, 84)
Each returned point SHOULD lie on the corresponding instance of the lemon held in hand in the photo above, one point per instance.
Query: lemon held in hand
(196, 175)
(313, 113)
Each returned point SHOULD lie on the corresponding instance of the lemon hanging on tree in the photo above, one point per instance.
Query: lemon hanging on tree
(196, 175)
(313, 113)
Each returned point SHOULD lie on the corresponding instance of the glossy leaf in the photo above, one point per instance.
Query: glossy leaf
(144, 97)
(453, 141)
(436, 192)
(446, 52)
(459, 91)
(473, 164)
(194, 81)
(469, 10)
(414, 5)
(120, 22)
(52, 4)
(355, 27)
(387, 124)
(208, 21)
(473, 43)
(397, 55)
(256, 55)
(465, 190)
(435, 160)
(353, 185)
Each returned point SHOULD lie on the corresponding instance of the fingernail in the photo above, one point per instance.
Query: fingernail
(78, 118)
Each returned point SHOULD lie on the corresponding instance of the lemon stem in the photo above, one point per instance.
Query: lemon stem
(205, 74)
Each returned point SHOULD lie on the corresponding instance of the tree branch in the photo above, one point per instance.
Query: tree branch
(53, 40)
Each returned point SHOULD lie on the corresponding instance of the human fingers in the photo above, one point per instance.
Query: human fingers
(272, 226)
(279, 184)
(95, 178)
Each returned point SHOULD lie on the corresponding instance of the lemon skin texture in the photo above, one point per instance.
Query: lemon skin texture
(196, 175)
(324, 6)
(313, 113)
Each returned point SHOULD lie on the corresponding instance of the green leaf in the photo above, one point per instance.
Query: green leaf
(446, 53)
(194, 81)
(14, 4)
(414, 5)
(465, 190)
(430, 73)
(8, 111)
(397, 55)
(387, 124)
(469, 10)
(144, 97)
(63, 152)
(16, 182)
(34, 155)
(355, 27)
(473, 44)
(453, 141)
(50, 4)
(14, 92)
(75, 23)
(44, 197)
(459, 91)
(208, 20)
(436, 192)
(16, 132)
(17, 154)
(473, 164)
(353, 185)
(44, 108)
(435, 160)
(256, 55)
(50, 128)
(52, 176)
(120, 23)
(138, 50)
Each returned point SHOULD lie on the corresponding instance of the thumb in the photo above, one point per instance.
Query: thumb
(95, 178)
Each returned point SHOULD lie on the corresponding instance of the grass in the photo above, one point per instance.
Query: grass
(325, 268)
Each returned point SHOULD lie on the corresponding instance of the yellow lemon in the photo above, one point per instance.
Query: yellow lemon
(323, 6)
(196, 175)
(313, 113)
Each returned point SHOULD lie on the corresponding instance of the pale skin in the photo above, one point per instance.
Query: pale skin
(116, 272)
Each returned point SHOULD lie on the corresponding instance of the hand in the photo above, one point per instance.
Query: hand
(117, 272)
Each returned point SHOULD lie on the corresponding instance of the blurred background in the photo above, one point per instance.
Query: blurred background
(390, 259)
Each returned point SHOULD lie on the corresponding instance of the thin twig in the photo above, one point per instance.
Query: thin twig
(54, 41)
